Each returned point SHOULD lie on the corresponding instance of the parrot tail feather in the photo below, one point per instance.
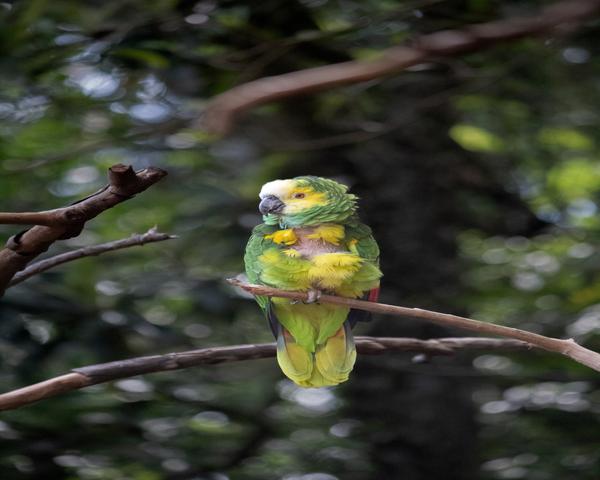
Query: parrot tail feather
(335, 358)
(329, 365)
(295, 362)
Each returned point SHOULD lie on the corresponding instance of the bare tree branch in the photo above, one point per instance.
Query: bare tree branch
(106, 372)
(48, 218)
(223, 111)
(137, 239)
(68, 222)
(568, 347)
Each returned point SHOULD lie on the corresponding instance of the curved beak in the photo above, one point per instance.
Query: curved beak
(270, 204)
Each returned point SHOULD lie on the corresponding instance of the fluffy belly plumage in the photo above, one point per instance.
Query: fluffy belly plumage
(310, 263)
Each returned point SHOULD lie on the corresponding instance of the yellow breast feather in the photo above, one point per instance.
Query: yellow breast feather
(330, 270)
(328, 232)
(283, 237)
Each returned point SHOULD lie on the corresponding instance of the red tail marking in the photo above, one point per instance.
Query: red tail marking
(374, 295)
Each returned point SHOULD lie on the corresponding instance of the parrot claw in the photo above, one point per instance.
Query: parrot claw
(313, 296)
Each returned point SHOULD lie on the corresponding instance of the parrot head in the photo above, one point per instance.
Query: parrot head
(305, 201)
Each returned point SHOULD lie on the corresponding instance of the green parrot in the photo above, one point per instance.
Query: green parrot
(312, 241)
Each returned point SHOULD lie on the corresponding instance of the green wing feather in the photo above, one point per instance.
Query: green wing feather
(360, 241)
(254, 249)
(366, 245)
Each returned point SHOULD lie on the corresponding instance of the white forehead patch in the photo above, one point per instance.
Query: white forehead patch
(279, 188)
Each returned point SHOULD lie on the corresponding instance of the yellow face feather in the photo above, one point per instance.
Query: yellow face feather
(296, 197)
(303, 198)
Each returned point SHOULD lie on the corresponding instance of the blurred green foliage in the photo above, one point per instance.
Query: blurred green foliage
(480, 176)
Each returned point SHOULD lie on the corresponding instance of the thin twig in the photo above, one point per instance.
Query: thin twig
(223, 111)
(137, 239)
(568, 347)
(67, 222)
(106, 372)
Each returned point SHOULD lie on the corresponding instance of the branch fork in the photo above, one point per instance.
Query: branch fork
(67, 222)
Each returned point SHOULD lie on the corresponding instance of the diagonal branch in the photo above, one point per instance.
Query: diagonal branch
(68, 222)
(137, 239)
(223, 111)
(48, 218)
(568, 347)
(106, 372)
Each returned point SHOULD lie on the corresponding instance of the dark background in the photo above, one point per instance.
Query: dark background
(479, 175)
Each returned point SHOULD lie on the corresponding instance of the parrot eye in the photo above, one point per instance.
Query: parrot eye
(298, 195)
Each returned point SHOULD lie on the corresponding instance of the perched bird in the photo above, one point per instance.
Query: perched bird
(312, 241)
